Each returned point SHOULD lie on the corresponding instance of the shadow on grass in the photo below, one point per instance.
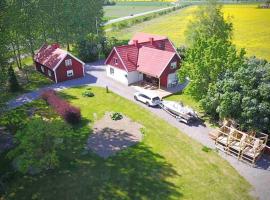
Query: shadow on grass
(135, 173)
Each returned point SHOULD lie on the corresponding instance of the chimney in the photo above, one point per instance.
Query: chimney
(151, 40)
(135, 42)
(55, 45)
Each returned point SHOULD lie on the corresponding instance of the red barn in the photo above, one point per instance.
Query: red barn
(58, 64)
(147, 57)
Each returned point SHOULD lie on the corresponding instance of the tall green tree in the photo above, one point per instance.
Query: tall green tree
(243, 95)
(12, 80)
(210, 51)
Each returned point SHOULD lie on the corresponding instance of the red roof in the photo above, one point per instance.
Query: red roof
(50, 55)
(153, 61)
(129, 56)
(144, 37)
(148, 56)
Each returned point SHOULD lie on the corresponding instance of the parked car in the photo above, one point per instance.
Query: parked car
(147, 98)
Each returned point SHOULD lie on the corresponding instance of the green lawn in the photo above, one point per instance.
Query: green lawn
(251, 27)
(122, 9)
(166, 165)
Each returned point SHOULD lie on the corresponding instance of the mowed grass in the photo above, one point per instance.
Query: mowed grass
(166, 165)
(122, 9)
(251, 27)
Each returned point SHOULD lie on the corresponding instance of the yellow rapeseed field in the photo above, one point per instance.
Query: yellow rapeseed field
(251, 27)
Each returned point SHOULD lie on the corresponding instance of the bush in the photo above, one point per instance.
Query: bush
(116, 116)
(70, 113)
(88, 94)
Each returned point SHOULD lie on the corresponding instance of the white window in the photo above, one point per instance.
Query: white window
(69, 73)
(49, 73)
(42, 69)
(173, 65)
(111, 71)
(115, 61)
(68, 62)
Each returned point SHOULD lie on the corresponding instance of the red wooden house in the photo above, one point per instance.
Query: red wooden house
(147, 57)
(58, 64)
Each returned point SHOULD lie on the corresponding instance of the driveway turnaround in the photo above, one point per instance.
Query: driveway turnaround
(258, 177)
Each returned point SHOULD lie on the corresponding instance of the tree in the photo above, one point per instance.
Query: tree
(243, 95)
(109, 43)
(89, 48)
(210, 52)
(12, 79)
(40, 144)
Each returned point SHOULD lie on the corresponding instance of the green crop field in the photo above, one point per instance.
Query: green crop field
(251, 27)
(122, 9)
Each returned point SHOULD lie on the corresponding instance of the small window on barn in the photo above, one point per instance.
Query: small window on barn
(173, 65)
(69, 73)
(68, 62)
(49, 73)
(42, 69)
(111, 71)
(115, 61)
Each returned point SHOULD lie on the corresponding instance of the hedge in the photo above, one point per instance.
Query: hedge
(68, 112)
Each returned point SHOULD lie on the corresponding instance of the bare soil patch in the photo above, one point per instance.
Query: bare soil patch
(111, 136)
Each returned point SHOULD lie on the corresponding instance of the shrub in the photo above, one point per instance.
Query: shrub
(116, 116)
(88, 94)
(12, 79)
(70, 113)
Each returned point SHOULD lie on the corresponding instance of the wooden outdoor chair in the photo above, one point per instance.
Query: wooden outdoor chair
(253, 151)
(237, 144)
(224, 138)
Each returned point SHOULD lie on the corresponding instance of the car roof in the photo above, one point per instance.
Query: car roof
(148, 93)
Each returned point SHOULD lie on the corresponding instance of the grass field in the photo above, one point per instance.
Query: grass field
(166, 165)
(122, 9)
(251, 27)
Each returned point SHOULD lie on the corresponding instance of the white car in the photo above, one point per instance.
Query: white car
(147, 98)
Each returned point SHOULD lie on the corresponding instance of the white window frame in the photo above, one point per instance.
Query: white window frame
(174, 65)
(70, 73)
(115, 61)
(49, 73)
(42, 69)
(111, 71)
(68, 62)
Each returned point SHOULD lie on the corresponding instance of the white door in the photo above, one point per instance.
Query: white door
(172, 80)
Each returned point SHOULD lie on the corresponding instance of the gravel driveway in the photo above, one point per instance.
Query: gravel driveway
(258, 177)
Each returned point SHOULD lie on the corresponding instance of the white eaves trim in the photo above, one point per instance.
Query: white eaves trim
(174, 49)
(120, 59)
(166, 65)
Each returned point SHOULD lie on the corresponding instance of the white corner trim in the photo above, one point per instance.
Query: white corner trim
(174, 49)
(167, 65)
(55, 77)
(121, 59)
